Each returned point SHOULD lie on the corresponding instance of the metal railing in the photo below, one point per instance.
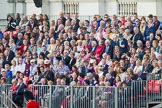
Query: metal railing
(7, 101)
(138, 95)
(6, 97)
(91, 97)
(154, 88)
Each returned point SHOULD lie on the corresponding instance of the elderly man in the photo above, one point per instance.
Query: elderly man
(137, 36)
(108, 48)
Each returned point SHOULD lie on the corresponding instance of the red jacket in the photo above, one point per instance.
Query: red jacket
(32, 104)
(99, 50)
(22, 50)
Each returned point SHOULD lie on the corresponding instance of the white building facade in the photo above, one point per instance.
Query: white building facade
(84, 8)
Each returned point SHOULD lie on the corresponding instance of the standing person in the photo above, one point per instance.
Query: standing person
(31, 103)
(19, 96)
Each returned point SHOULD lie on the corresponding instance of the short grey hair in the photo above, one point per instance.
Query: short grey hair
(94, 42)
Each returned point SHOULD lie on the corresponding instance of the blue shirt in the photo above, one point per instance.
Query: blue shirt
(9, 74)
(1, 35)
(61, 70)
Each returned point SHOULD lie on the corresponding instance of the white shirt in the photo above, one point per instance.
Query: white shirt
(123, 76)
(79, 48)
(32, 70)
(136, 69)
(13, 69)
(20, 67)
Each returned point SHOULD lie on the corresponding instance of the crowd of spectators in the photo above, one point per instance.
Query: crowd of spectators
(108, 51)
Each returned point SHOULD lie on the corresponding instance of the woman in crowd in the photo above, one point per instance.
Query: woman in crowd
(13, 68)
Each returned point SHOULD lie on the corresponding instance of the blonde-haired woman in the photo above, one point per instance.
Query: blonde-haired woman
(52, 45)
(138, 66)
(67, 25)
(108, 34)
(13, 67)
(156, 68)
(52, 24)
(12, 44)
(142, 27)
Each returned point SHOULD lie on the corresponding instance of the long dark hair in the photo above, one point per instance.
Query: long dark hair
(11, 18)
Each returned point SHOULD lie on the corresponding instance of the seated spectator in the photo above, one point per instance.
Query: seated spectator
(62, 68)
(99, 50)
(138, 66)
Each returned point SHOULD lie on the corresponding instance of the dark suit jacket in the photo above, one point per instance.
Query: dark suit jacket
(111, 80)
(20, 89)
(18, 97)
(72, 63)
(19, 42)
(7, 60)
(32, 27)
(66, 60)
(136, 38)
(49, 76)
(77, 22)
(142, 76)
(147, 69)
(105, 69)
(141, 54)
(40, 77)
(109, 50)
(11, 54)
(84, 70)
(125, 43)
(75, 28)
(46, 53)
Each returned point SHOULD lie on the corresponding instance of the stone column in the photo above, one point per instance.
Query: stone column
(111, 7)
(31, 8)
(146, 7)
(55, 7)
(159, 9)
(20, 7)
(102, 6)
(45, 7)
(12, 9)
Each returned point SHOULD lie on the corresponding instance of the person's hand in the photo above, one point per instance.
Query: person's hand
(122, 46)
(13, 92)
